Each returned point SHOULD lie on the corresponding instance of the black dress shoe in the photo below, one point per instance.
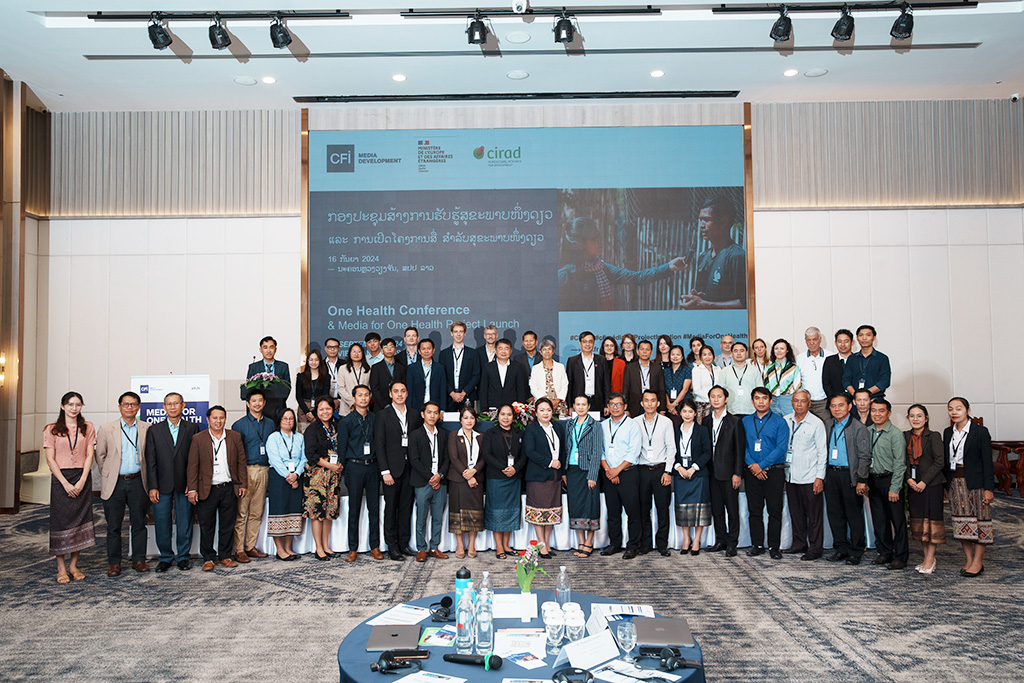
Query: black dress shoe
(755, 551)
(322, 558)
(695, 551)
(330, 555)
(610, 550)
(665, 552)
(629, 554)
(395, 555)
(775, 554)
(161, 567)
(716, 548)
(290, 558)
(971, 575)
(837, 557)
(644, 551)
(896, 564)
(793, 550)
(730, 552)
(809, 556)
(881, 560)
(184, 565)
(853, 560)
(408, 552)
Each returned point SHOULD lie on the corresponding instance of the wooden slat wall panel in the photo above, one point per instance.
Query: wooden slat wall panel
(888, 154)
(190, 163)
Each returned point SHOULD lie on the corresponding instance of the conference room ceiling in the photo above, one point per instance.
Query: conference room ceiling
(73, 63)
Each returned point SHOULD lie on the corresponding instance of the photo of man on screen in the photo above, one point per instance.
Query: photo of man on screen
(722, 269)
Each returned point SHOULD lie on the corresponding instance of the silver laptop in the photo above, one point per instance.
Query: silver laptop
(663, 632)
(396, 637)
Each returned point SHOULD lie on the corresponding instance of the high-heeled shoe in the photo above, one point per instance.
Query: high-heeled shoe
(322, 558)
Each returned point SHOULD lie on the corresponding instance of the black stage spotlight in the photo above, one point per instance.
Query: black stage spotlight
(158, 35)
(782, 30)
(903, 27)
(477, 31)
(279, 35)
(843, 29)
(563, 30)
(219, 38)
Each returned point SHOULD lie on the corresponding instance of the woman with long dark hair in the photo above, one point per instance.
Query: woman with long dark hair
(696, 344)
(322, 502)
(312, 381)
(69, 444)
(544, 444)
(663, 346)
(926, 478)
(782, 377)
(502, 450)
(610, 352)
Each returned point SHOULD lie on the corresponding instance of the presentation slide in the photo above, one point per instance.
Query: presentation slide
(615, 230)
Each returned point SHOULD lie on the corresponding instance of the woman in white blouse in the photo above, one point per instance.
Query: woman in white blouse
(705, 376)
(354, 372)
(548, 379)
(465, 484)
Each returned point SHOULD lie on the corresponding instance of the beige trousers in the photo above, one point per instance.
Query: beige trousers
(250, 508)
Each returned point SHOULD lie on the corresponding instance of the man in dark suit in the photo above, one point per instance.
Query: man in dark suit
(587, 373)
(503, 381)
(846, 487)
(391, 443)
(728, 442)
(382, 375)
(529, 355)
(489, 350)
(428, 467)
(217, 478)
(425, 378)
(461, 368)
(167, 448)
(834, 366)
(268, 349)
(407, 355)
(642, 376)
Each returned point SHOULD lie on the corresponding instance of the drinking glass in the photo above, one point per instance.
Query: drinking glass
(625, 633)
(554, 625)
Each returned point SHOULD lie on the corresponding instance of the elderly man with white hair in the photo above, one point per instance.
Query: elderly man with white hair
(806, 458)
(811, 363)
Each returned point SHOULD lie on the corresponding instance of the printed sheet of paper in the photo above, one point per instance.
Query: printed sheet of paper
(401, 615)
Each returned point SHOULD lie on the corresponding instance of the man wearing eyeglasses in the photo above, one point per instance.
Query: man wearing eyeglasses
(120, 455)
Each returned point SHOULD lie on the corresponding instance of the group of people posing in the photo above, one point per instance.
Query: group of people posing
(690, 427)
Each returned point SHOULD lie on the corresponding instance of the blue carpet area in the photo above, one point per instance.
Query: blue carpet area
(756, 619)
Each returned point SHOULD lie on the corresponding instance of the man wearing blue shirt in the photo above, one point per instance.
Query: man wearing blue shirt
(622, 482)
(373, 352)
(849, 461)
(254, 428)
(867, 369)
(767, 437)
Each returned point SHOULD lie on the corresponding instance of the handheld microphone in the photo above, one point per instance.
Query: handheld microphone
(488, 662)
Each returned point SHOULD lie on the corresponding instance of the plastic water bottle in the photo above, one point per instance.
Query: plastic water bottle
(484, 620)
(562, 588)
(464, 619)
(486, 585)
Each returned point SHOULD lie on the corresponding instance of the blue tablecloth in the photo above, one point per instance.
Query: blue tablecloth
(354, 661)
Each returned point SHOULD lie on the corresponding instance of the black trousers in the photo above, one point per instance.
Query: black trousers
(131, 494)
(768, 492)
(361, 479)
(888, 518)
(725, 500)
(221, 506)
(845, 511)
(807, 514)
(398, 500)
(651, 488)
(624, 496)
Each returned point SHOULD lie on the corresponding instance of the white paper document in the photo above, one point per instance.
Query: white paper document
(510, 641)
(399, 615)
(526, 680)
(515, 605)
(527, 660)
(618, 671)
(430, 677)
(588, 652)
(601, 614)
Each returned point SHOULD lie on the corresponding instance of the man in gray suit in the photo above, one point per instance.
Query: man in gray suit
(849, 461)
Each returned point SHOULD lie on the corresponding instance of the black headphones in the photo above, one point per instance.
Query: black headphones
(387, 664)
(670, 661)
(571, 674)
(441, 612)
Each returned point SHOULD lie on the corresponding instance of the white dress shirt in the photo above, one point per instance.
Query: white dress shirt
(957, 444)
(221, 472)
(703, 380)
(810, 372)
(807, 454)
(656, 441)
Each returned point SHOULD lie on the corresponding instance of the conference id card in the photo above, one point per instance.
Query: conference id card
(263, 450)
(332, 457)
(686, 463)
(218, 470)
(860, 385)
(366, 448)
(913, 472)
(835, 453)
(757, 446)
(673, 395)
(405, 441)
(291, 468)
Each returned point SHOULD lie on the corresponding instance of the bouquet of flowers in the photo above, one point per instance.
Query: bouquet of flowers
(524, 415)
(528, 565)
(262, 380)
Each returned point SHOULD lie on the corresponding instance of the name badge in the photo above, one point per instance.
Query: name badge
(332, 457)
(860, 385)
(835, 453)
(757, 446)
(334, 388)
(263, 450)
(405, 441)
(511, 461)
(673, 395)
(686, 463)
(366, 448)
(611, 450)
(913, 472)
(218, 471)
(291, 468)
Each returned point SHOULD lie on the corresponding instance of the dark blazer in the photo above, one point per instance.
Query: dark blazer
(458, 457)
(977, 457)
(538, 453)
(415, 380)
(167, 463)
(310, 390)
(483, 360)
(317, 443)
(280, 369)
(380, 383)
(700, 449)
(469, 376)
(631, 386)
(832, 375)
(577, 380)
(858, 448)
(402, 355)
(524, 360)
(728, 458)
(387, 439)
(931, 467)
(494, 453)
(494, 394)
(419, 456)
(200, 462)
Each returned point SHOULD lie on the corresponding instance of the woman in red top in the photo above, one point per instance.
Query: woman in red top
(610, 352)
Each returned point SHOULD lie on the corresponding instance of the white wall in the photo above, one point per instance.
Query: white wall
(118, 297)
(943, 288)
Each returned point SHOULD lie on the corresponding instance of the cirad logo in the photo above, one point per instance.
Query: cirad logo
(341, 158)
(482, 152)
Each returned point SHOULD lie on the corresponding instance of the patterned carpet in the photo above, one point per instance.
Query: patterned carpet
(756, 619)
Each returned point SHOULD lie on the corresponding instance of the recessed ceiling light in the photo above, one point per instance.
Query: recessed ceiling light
(816, 72)
(269, 80)
(518, 75)
(789, 73)
(657, 73)
(398, 78)
(246, 80)
(517, 37)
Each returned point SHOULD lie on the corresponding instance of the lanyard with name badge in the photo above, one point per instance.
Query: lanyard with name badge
(792, 437)
(217, 443)
(956, 446)
(685, 455)
(366, 436)
(332, 437)
(650, 434)
(835, 439)
(549, 434)
(135, 444)
(758, 430)
(289, 445)
(258, 428)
